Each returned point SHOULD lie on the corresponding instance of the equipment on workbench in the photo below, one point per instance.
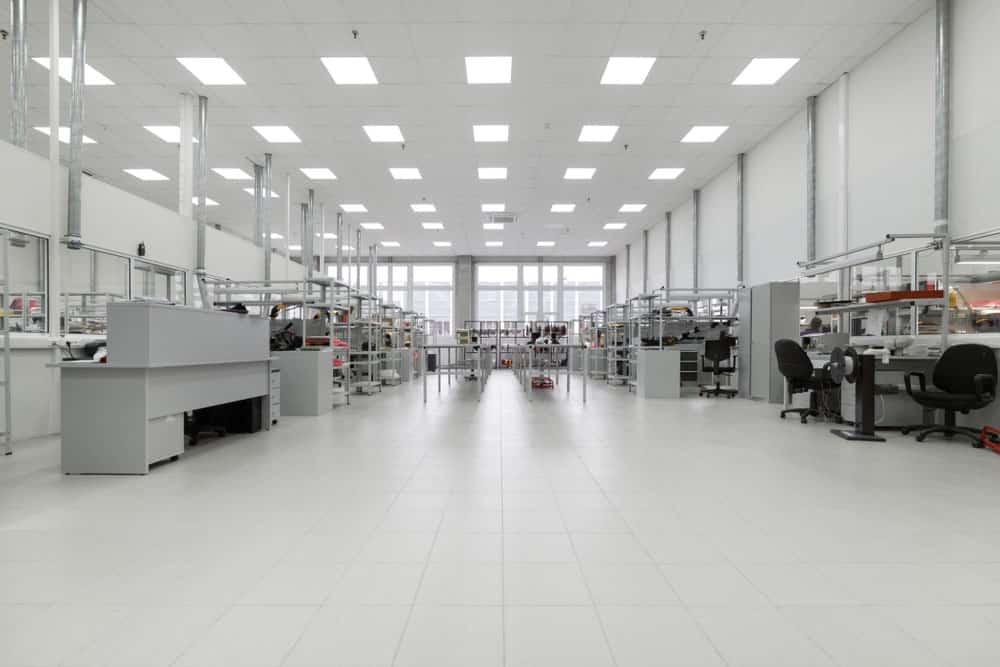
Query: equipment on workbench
(847, 364)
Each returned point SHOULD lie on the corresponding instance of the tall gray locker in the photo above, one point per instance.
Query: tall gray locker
(769, 314)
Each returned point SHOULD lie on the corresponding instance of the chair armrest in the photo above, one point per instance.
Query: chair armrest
(985, 386)
(920, 376)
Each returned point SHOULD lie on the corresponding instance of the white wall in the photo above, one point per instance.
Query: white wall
(682, 246)
(635, 268)
(656, 273)
(717, 232)
(620, 277)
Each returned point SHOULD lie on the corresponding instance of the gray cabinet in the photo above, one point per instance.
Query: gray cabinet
(768, 313)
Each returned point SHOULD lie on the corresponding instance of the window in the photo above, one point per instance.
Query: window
(492, 275)
(496, 292)
(26, 274)
(91, 279)
(154, 281)
(433, 294)
(554, 292)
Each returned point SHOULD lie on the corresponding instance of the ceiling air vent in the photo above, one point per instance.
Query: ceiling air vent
(503, 218)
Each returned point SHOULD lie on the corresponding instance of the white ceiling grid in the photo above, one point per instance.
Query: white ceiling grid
(417, 50)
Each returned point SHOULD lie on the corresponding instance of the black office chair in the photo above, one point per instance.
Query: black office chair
(796, 366)
(718, 351)
(966, 376)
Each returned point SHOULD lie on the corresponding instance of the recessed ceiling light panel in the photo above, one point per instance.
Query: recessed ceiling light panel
(168, 133)
(579, 173)
(208, 201)
(488, 69)
(601, 134)
(704, 134)
(423, 208)
(666, 173)
(562, 208)
(442, 244)
(494, 244)
(405, 173)
(632, 208)
(63, 134)
(545, 244)
(277, 134)
(91, 77)
(212, 71)
(232, 173)
(384, 134)
(764, 71)
(353, 208)
(372, 226)
(390, 244)
(626, 71)
(493, 226)
(432, 226)
(350, 71)
(615, 226)
(318, 173)
(490, 133)
(492, 173)
(146, 174)
(597, 244)
(493, 208)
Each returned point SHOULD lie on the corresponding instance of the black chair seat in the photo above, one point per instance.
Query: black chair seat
(944, 401)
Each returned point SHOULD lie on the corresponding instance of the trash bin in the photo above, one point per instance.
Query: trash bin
(432, 362)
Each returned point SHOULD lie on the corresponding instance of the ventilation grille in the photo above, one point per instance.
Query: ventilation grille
(503, 218)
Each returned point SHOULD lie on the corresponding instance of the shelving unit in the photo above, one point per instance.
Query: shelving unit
(391, 366)
(616, 317)
(365, 343)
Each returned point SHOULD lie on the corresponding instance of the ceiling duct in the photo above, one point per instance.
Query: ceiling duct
(502, 218)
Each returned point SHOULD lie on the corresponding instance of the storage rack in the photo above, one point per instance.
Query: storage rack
(391, 367)
(594, 335)
(645, 330)
(366, 343)
(616, 318)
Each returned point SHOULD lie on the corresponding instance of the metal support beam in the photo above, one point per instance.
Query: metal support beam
(645, 261)
(340, 245)
(695, 232)
(843, 102)
(73, 207)
(811, 177)
(18, 67)
(53, 302)
(201, 186)
(942, 152)
(308, 237)
(258, 205)
(268, 184)
(668, 241)
(628, 274)
(740, 166)
(322, 240)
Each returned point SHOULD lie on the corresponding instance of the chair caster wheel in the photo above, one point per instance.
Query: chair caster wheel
(920, 438)
(803, 421)
(904, 431)
(782, 416)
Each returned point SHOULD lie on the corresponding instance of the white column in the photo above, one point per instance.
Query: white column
(56, 193)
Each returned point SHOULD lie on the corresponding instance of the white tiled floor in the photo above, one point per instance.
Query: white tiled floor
(626, 533)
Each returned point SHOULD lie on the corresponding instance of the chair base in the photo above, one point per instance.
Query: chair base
(975, 435)
(717, 390)
(804, 413)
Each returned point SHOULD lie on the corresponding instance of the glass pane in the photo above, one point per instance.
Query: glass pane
(530, 304)
(495, 275)
(435, 305)
(382, 275)
(399, 298)
(26, 274)
(581, 302)
(400, 276)
(530, 274)
(583, 275)
(550, 306)
(550, 275)
(497, 304)
(433, 275)
(152, 281)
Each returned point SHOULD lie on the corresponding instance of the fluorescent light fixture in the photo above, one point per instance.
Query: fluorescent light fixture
(626, 71)
(353, 208)
(275, 236)
(295, 247)
(764, 71)
(488, 69)
(168, 133)
(146, 174)
(615, 226)
(432, 226)
(212, 71)
(91, 77)
(318, 173)
(490, 133)
(545, 244)
(372, 226)
(232, 173)
(405, 173)
(632, 208)
(493, 208)
(249, 191)
(579, 173)
(597, 244)
(493, 226)
(277, 134)
(442, 244)
(350, 71)
(423, 208)
(390, 244)
(63, 134)
(494, 244)
(562, 208)
(327, 235)
(600, 134)
(208, 201)
(666, 173)
(347, 248)
(704, 134)
(384, 134)
(492, 173)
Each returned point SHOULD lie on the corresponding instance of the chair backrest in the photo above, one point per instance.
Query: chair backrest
(793, 362)
(959, 364)
(718, 350)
